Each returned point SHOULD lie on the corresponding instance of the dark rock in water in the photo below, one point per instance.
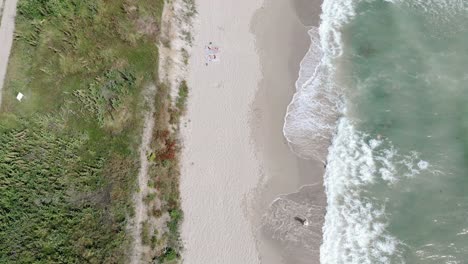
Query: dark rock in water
(366, 50)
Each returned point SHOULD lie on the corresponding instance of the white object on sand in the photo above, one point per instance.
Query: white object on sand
(19, 97)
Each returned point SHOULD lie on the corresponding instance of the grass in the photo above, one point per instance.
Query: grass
(164, 171)
(69, 150)
(180, 103)
(182, 96)
(169, 255)
(145, 233)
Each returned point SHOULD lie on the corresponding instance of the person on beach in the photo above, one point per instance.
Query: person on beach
(211, 53)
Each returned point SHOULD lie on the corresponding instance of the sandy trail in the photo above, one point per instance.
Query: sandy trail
(1, 7)
(7, 28)
(141, 210)
(171, 70)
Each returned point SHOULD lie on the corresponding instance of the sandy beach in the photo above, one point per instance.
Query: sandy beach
(235, 161)
(219, 167)
(281, 43)
(291, 186)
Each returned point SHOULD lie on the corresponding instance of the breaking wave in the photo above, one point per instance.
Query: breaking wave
(355, 224)
(311, 116)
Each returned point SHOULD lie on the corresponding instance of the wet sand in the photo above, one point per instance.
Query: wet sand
(280, 28)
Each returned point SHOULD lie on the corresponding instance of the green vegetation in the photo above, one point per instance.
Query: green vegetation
(180, 103)
(169, 255)
(173, 224)
(164, 175)
(145, 233)
(191, 9)
(182, 96)
(69, 150)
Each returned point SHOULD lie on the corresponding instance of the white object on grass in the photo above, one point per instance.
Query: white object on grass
(19, 97)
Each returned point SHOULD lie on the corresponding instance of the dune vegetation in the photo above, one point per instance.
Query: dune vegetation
(69, 149)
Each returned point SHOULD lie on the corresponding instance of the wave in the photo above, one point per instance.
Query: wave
(311, 116)
(355, 224)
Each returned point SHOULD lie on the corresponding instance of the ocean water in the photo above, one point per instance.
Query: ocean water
(382, 99)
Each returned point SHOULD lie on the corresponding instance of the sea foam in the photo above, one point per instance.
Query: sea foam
(364, 172)
(355, 226)
(355, 223)
(311, 116)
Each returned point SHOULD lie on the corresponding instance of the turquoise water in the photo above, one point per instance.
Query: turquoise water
(405, 72)
(390, 93)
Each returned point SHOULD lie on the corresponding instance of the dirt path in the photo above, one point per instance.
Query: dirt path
(141, 210)
(176, 17)
(1, 7)
(7, 27)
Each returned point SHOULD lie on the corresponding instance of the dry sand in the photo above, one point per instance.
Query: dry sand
(7, 27)
(234, 149)
(219, 168)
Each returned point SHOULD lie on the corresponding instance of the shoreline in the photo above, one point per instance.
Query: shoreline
(287, 179)
(280, 67)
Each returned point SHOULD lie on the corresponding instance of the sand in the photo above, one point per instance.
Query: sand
(281, 46)
(219, 167)
(235, 160)
(7, 27)
(139, 252)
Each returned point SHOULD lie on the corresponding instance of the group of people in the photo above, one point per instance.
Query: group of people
(211, 53)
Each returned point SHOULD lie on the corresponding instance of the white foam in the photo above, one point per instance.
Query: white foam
(423, 164)
(311, 116)
(355, 225)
